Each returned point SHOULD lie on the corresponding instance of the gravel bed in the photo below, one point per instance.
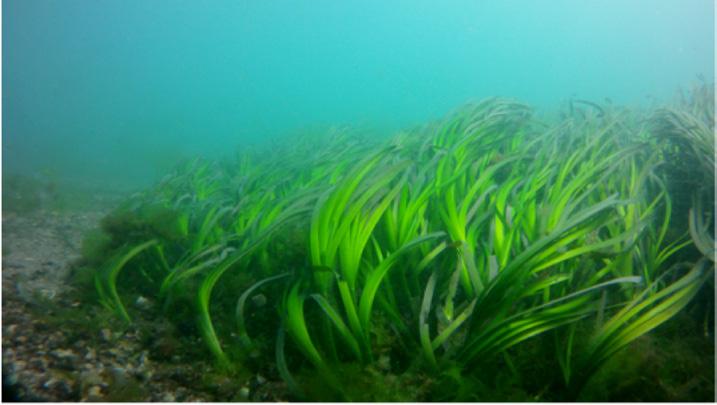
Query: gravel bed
(48, 354)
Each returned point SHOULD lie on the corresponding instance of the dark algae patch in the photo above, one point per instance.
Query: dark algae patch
(489, 256)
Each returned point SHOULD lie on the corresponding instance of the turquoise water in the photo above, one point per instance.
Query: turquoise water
(114, 92)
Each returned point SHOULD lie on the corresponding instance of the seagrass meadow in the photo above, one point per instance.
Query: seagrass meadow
(405, 200)
(491, 255)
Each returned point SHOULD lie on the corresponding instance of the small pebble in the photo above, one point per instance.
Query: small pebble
(63, 354)
(142, 303)
(143, 359)
(49, 383)
(65, 359)
(48, 293)
(384, 362)
(244, 393)
(94, 394)
(105, 335)
(91, 377)
(40, 363)
(259, 300)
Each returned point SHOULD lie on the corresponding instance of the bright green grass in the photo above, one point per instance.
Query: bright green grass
(448, 246)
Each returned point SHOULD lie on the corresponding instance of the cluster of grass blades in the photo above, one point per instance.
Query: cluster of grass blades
(439, 251)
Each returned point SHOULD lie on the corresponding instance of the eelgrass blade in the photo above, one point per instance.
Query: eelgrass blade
(424, 332)
(347, 299)
(296, 326)
(282, 367)
(186, 271)
(501, 334)
(338, 323)
(646, 312)
(700, 234)
(207, 285)
(244, 338)
(374, 278)
(106, 280)
(454, 325)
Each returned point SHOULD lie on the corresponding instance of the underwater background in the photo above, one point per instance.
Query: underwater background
(115, 92)
(358, 201)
